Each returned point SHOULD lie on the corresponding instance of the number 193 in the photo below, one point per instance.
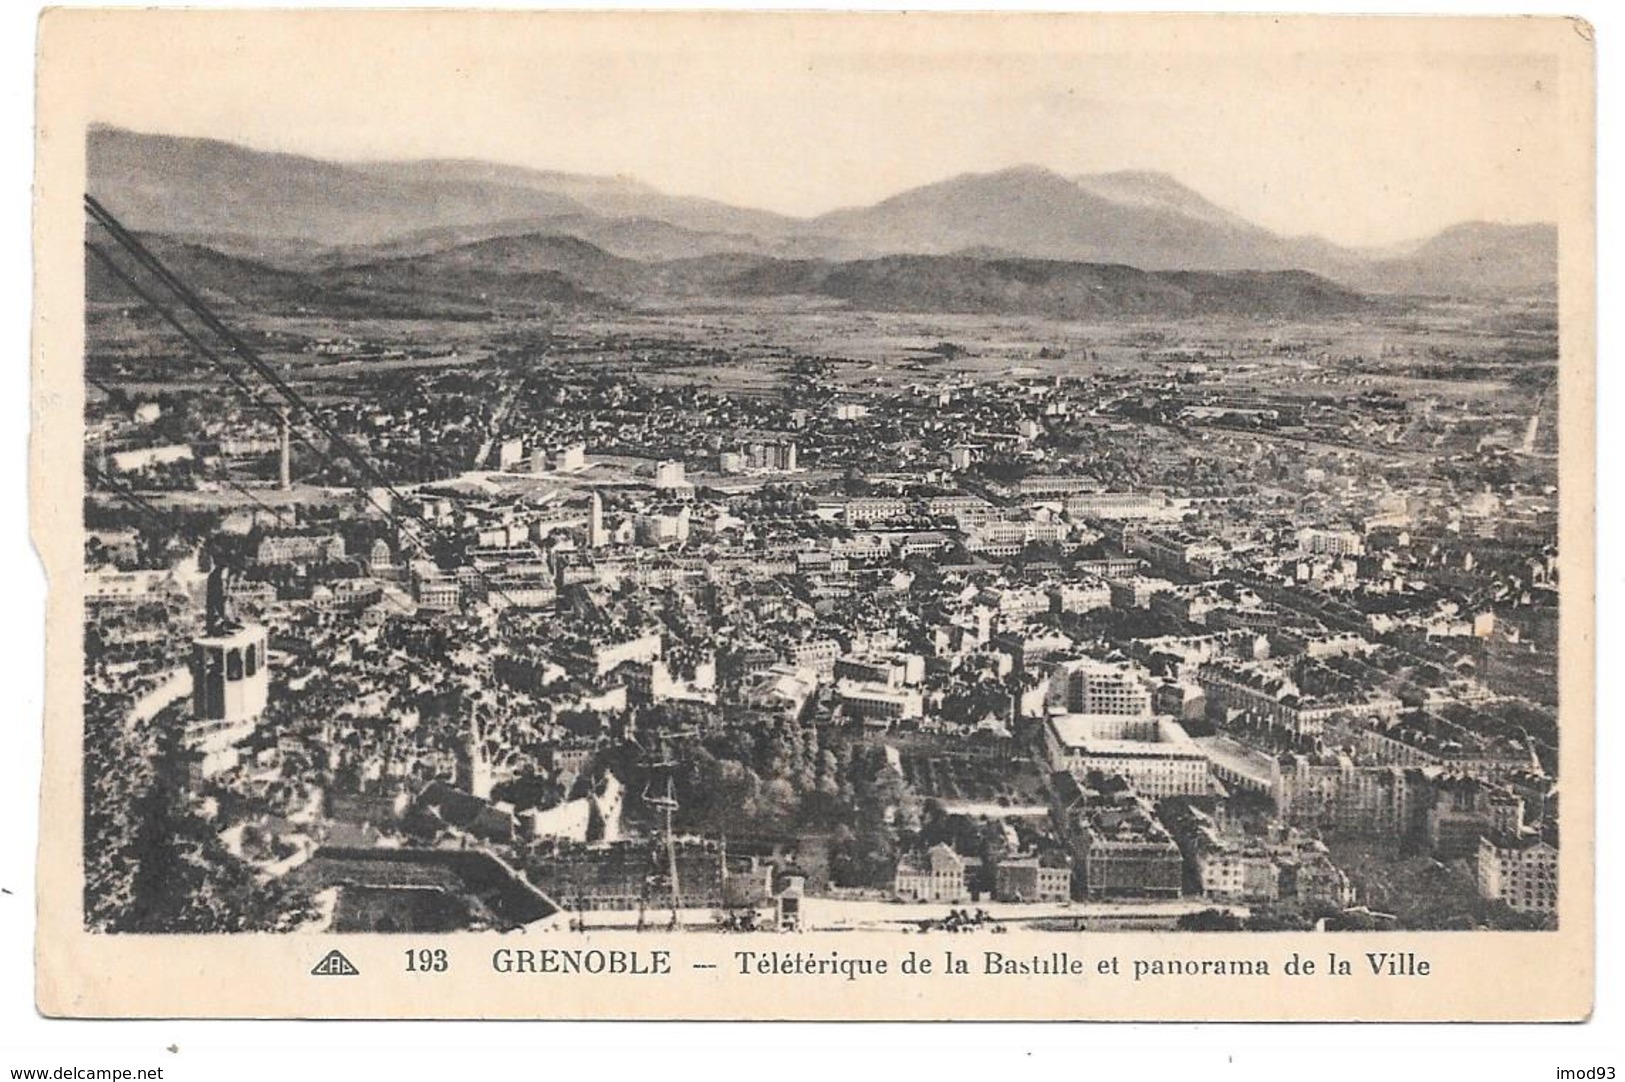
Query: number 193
(427, 960)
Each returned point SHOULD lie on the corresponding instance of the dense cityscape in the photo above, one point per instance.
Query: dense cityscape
(784, 615)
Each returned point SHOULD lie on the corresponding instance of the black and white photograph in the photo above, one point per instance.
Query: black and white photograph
(991, 495)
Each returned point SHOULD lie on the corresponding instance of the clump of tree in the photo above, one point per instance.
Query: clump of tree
(1209, 920)
(153, 864)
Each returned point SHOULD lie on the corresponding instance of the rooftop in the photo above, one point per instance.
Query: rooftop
(1116, 734)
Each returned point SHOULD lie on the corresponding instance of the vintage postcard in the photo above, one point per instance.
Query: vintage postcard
(817, 516)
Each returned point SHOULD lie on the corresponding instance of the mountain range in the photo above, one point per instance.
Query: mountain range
(1023, 240)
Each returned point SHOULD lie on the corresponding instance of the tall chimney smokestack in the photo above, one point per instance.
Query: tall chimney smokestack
(285, 476)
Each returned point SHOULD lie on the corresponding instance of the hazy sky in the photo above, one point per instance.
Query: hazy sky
(1361, 133)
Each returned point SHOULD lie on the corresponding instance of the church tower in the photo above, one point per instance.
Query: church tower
(596, 536)
(474, 773)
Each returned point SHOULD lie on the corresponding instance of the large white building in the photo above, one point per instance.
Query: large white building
(434, 590)
(1326, 541)
(1155, 754)
(1084, 595)
(510, 454)
(571, 458)
(817, 654)
(664, 527)
(1520, 870)
(889, 669)
(609, 654)
(782, 689)
(879, 702)
(938, 875)
(1089, 686)
(143, 458)
(1123, 505)
(669, 475)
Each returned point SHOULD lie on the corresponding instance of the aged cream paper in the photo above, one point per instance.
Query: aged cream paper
(164, 830)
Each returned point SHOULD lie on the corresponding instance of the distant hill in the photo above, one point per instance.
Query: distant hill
(645, 239)
(1159, 192)
(1051, 288)
(303, 214)
(607, 197)
(399, 289)
(217, 276)
(202, 187)
(1145, 220)
(1474, 258)
(502, 268)
(546, 272)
